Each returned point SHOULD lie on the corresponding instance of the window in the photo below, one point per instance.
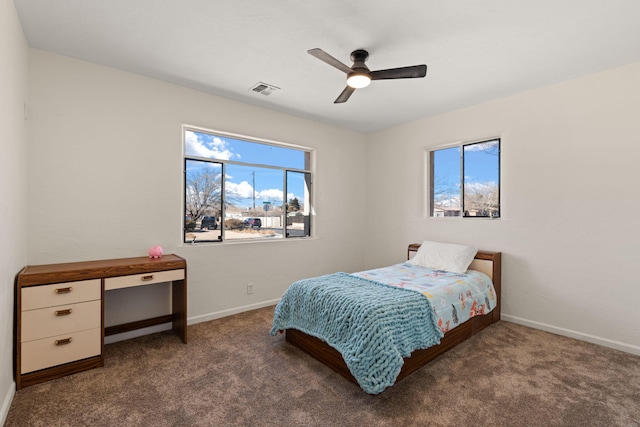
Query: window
(465, 180)
(238, 188)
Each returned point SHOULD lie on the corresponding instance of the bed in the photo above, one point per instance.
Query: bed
(413, 354)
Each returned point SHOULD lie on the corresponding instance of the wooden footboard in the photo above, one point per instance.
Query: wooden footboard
(332, 358)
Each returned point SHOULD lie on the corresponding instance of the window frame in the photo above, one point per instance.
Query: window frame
(430, 178)
(307, 172)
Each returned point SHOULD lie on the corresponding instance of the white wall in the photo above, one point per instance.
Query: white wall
(569, 232)
(13, 184)
(106, 182)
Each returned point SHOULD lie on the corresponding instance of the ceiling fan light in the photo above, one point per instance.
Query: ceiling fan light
(358, 81)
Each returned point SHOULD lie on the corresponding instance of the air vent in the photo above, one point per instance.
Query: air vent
(264, 88)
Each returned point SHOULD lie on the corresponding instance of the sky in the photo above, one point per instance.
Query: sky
(240, 179)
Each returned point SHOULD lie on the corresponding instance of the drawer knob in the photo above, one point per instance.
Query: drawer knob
(64, 290)
(63, 341)
(147, 278)
(64, 312)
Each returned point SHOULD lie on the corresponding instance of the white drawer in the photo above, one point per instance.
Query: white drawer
(34, 297)
(142, 279)
(62, 319)
(44, 353)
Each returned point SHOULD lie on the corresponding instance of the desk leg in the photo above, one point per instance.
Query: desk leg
(179, 308)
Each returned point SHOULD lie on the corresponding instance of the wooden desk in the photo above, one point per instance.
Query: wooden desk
(59, 312)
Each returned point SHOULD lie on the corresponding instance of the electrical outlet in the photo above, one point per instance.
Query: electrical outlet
(249, 288)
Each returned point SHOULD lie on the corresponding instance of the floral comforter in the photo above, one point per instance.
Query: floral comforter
(455, 298)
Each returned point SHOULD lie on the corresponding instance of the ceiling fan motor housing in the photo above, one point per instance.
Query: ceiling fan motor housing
(359, 57)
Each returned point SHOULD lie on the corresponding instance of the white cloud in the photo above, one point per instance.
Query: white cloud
(482, 146)
(479, 187)
(272, 195)
(215, 149)
(448, 202)
(242, 190)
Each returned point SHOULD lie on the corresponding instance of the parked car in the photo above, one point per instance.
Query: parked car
(252, 222)
(209, 222)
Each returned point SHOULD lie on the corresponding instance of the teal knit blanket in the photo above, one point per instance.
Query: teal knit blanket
(371, 324)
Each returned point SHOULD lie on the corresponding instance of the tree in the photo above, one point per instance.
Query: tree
(203, 193)
(294, 205)
(481, 199)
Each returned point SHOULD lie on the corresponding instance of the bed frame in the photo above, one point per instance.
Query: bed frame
(485, 261)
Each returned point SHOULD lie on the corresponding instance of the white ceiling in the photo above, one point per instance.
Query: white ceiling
(475, 50)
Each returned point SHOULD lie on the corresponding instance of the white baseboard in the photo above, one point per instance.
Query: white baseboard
(6, 403)
(229, 312)
(605, 342)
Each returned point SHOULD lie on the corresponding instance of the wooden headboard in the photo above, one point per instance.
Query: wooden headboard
(487, 262)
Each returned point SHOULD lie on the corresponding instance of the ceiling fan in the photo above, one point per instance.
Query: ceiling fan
(359, 75)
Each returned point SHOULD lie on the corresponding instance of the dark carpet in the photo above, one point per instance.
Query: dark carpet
(233, 373)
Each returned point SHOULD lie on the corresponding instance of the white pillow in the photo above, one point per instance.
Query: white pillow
(444, 256)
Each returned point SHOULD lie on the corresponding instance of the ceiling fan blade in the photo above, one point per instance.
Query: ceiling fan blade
(344, 96)
(325, 57)
(412, 72)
